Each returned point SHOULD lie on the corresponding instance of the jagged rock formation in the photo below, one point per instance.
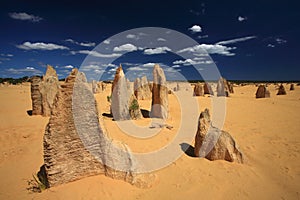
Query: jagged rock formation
(120, 97)
(222, 88)
(160, 103)
(207, 89)
(75, 142)
(198, 90)
(262, 92)
(142, 89)
(213, 143)
(36, 96)
(292, 87)
(281, 90)
(48, 88)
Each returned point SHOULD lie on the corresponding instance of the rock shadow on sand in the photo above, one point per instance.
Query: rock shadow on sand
(187, 149)
(29, 112)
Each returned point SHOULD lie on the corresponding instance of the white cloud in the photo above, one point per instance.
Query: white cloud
(132, 36)
(202, 36)
(191, 62)
(158, 50)
(90, 67)
(271, 45)
(97, 54)
(136, 69)
(107, 41)
(196, 28)
(280, 41)
(24, 16)
(6, 55)
(125, 47)
(176, 66)
(87, 44)
(240, 18)
(68, 67)
(84, 44)
(161, 39)
(109, 65)
(148, 65)
(24, 70)
(236, 40)
(40, 46)
(209, 48)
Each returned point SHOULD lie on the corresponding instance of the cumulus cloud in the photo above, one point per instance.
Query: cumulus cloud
(68, 67)
(241, 18)
(149, 64)
(195, 29)
(136, 69)
(191, 62)
(25, 17)
(271, 45)
(209, 48)
(131, 36)
(106, 41)
(41, 46)
(97, 54)
(84, 44)
(158, 50)
(125, 47)
(161, 39)
(236, 40)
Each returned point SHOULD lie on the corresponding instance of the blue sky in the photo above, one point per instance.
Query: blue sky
(246, 40)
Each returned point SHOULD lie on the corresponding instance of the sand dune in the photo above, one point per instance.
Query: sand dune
(267, 131)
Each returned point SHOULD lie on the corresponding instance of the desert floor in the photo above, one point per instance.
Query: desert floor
(267, 131)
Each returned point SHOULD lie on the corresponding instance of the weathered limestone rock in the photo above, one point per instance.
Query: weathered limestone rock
(208, 89)
(95, 87)
(198, 90)
(142, 89)
(120, 97)
(213, 143)
(36, 96)
(222, 88)
(281, 90)
(262, 92)
(230, 87)
(160, 103)
(292, 87)
(49, 88)
(75, 142)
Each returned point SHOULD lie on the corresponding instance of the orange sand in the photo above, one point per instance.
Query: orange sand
(267, 131)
